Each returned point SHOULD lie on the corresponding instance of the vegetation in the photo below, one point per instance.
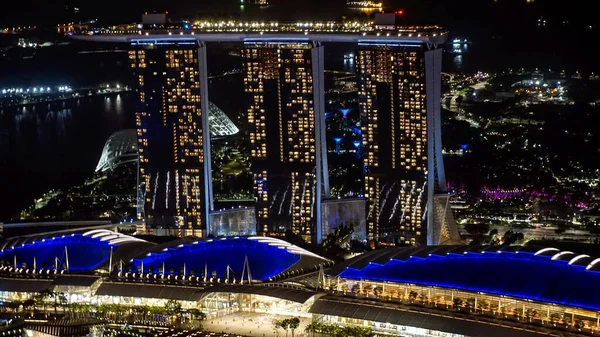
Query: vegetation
(330, 330)
(109, 194)
(171, 314)
(290, 324)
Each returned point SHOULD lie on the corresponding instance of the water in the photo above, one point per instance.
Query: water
(55, 145)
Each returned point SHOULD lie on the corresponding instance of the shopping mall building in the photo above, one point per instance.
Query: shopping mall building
(427, 291)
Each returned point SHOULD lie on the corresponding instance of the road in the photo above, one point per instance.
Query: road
(460, 112)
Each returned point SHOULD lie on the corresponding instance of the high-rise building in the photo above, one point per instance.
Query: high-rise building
(284, 87)
(399, 98)
(399, 89)
(173, 137)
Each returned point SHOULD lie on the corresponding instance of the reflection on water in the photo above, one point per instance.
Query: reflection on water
(57, 144)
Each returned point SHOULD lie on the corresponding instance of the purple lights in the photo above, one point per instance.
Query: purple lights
(504, 194)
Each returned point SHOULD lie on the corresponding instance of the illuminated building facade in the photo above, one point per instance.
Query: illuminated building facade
(173, 137)
(399, 98)
(284, 88)
(399, 80)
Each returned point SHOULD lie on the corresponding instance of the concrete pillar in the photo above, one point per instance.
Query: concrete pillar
(322, 170)
(208, 189)
(435, 167)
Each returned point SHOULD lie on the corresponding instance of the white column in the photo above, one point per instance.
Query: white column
(322, 170)
(208, 190)
(435, 168)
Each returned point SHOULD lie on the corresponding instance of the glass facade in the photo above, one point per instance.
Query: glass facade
(495, 306)
(170, 136)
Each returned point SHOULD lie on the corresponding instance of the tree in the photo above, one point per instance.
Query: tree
(173, 308)
(459, 100)
(311, 328)
(511, 237)
(413, 295)
(567, 320)
(285, 325)
(197, 314)
(518, 312)
(470, 303)
(457, 303)
(555, 318)
(293, 324)
(377, 291)
(423, 297)
(531, 314)
(277, 324)
(483, 305)
(30, 303)
(477, 229)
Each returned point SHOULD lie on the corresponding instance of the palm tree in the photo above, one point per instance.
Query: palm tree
(423, 297)
(30, 303)
(483, 305)
(310, 329)
(285, 325)
(293, 324)
(277, 324)
(412, 295)
(531, 314)
(518, 313)
(470, 303)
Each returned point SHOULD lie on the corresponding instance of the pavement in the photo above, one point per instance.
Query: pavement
(253, 324)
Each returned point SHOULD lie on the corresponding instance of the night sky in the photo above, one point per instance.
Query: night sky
(447, 12)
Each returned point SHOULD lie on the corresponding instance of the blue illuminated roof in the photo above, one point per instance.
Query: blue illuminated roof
(267, 257)
(546, 275)
(86, 251)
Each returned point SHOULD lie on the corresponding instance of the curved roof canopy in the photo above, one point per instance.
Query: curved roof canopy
(267, 257)
(120, 148)
(80, 252)
(542, 274)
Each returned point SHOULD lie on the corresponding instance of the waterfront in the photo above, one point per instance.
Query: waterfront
(56, 145)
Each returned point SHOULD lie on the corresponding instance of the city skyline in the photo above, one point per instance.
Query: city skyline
(334, 168)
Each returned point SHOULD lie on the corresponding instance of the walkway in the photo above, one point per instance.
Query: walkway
(252, 324)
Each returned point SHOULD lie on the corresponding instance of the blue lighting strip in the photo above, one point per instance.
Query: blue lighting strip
(377, 44)
(384, 41)
(542, 275)
(276, 41)
(165, 41)
(259, 39)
